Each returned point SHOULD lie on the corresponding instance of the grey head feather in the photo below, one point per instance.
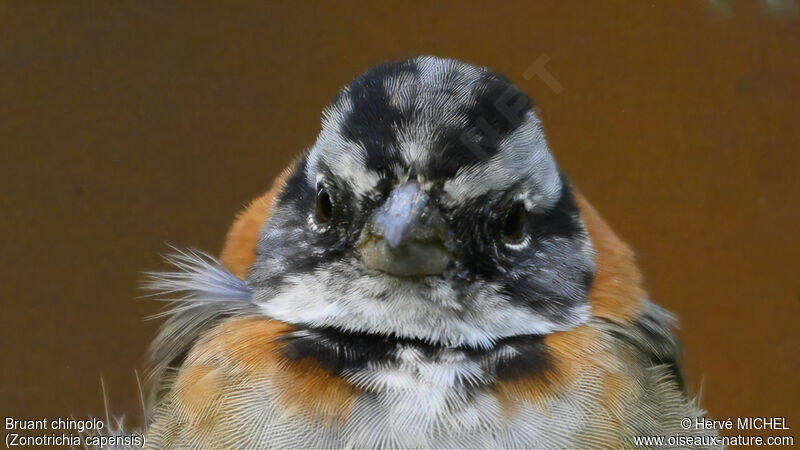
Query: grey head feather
(198, 277)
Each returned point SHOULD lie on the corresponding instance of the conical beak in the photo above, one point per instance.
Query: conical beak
(407, 236)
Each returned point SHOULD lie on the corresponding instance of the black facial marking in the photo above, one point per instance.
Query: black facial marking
(562, 220)
(373, 120)
(499, 109)
(543, 277)
(294, 232)
(501, 104)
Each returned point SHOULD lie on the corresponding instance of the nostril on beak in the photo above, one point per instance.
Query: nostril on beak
(407, 237)
(398, 217)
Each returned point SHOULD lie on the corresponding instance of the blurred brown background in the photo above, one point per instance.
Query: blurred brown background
(128, 125)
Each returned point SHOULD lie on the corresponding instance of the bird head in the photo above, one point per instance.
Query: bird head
(430, 208)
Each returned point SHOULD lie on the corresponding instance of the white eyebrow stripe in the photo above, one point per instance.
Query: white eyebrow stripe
(523, 157)
(346, 159)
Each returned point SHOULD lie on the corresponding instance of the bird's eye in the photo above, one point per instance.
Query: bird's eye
(324, 205)
(514, 224)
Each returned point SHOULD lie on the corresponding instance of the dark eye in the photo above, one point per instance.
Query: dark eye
(514, 224)
(324, 206)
